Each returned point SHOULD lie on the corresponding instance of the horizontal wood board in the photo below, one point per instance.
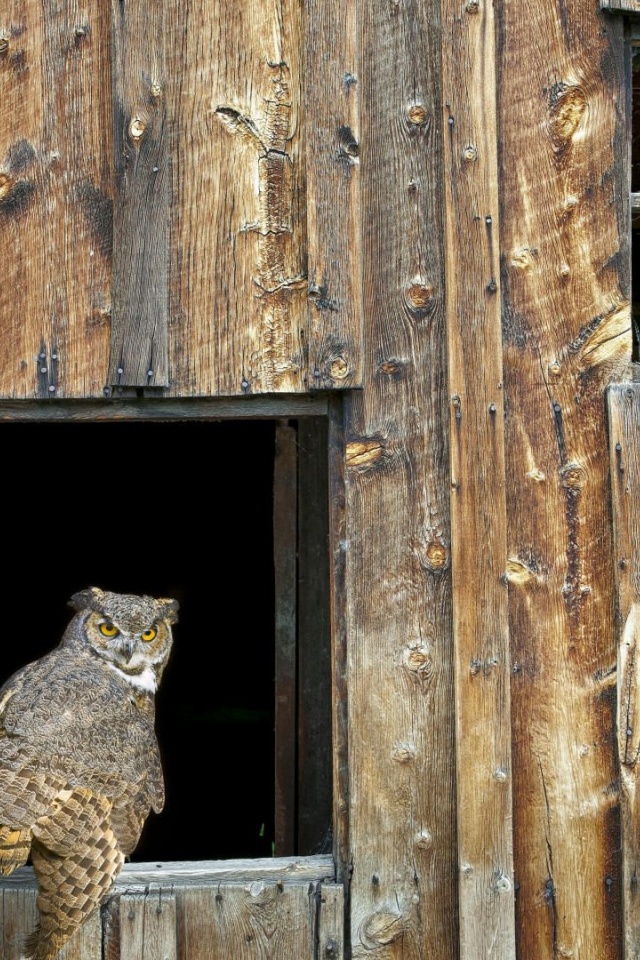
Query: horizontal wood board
(566, 335)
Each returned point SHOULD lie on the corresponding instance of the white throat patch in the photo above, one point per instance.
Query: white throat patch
(142, 681)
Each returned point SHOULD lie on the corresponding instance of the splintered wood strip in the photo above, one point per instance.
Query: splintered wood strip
(340, 718)
(148, 926)
(55, 198)
(566, 335)
(624, 453)
(331, 934)
(86, 943)
(285, 502)
(478, 505)
(139, 332)
(397, 576)
(333, 211)
(255, 921)
(621, 6)
(314, 790)
(238, 221)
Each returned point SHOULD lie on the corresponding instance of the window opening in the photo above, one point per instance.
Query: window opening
(184, 510)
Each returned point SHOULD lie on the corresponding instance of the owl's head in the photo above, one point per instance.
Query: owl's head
(132, 634)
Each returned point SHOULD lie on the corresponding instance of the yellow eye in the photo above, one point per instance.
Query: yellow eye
(149, 635)
(107, 629)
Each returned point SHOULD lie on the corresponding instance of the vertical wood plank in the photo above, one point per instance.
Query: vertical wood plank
(339, 650)
(19, 919)
(566, 335)
(331, 933)
(285, 498)
(55, 198)
(255, 921)
(331, 114)
(148, 925)
(398, 591)
(238, 222)
(139, 331)
(314, 813)
(478, 505)
(624, 453)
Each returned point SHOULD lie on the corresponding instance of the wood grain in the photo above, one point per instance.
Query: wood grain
(397, 580)
(333, 210)
(55, 198)
(478, 505)
(566, 335)
(147, 926)
(624, 453)
(238, 223)
(19, 916)
(139, 326)
(256, 921)
(331, 937)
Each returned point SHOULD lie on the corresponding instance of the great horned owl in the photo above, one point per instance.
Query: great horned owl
(79, 761)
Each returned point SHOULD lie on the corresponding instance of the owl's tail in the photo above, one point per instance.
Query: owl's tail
(15, 846)
(76, 857)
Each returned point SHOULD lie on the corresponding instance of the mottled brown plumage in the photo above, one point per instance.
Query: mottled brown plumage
(79, 761)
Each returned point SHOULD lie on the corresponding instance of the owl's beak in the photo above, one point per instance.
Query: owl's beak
(127, 648)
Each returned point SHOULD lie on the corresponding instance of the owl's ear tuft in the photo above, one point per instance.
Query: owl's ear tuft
(87, 599)
(170, 609)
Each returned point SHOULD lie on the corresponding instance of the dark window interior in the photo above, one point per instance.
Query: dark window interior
(183, 510)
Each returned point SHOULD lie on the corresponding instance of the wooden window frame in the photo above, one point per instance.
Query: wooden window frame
(313, 868)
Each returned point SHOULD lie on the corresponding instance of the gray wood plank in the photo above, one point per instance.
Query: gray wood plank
(148, 925)
(140, 314)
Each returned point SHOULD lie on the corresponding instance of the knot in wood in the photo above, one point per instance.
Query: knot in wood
(436, 554)
(381, 929)
(137, 128)
(4, 45)
(573, 476)
(419, 295)
(338, 368)
(404, 752)
(6, 182)
(417, 114)
(470, 153)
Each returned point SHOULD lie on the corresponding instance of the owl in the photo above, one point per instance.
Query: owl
(79, 761)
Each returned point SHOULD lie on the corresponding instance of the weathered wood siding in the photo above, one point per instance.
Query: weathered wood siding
(566, 334)
(398, 588)
(624, 452)
(153, 199)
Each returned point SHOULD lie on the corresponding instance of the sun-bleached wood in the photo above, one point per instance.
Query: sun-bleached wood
(147, 926)
(566, 335)
(56, 192)
(478, 506)
(238, 221)
(624, 453)
(397, 580)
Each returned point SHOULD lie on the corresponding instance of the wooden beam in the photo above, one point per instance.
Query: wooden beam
(147, 926)
(624, 453)
(478, 505)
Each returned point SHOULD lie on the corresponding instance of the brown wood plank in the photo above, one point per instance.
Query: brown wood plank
(398, 589)
(566, 335)
(214, 408)
(238, 226)
(331, 933)
(147, 925)
(255, 921)
(339, 700)
(285, 532)
(314, 792)
(139, 330)
(478, 506)
(624, 453)
(19, 918)
(55, 198)
(331, 115)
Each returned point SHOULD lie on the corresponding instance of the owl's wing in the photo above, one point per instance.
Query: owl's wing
(76, 857)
